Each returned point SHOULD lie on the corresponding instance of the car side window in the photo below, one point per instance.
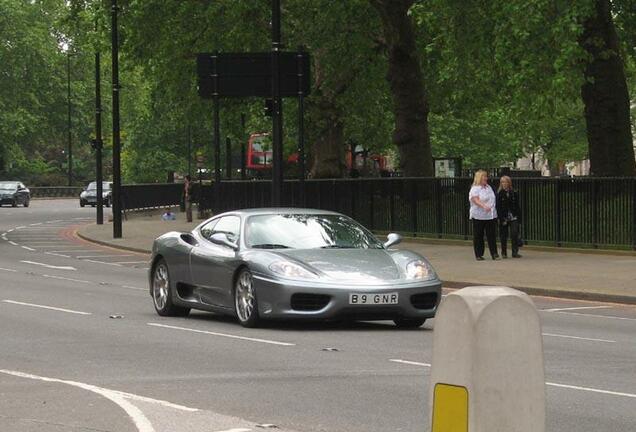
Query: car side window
(230, 226)
(208, 229)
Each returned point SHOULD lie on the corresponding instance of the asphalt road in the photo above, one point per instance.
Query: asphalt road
(83, 350)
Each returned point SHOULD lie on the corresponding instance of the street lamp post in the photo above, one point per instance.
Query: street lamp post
(116, 207)
(277, 109)
(69, 127)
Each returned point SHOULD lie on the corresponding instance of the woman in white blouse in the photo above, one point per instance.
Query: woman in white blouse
(483, 212)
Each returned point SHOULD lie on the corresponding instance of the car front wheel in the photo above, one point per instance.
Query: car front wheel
(82, 203)
(26, 203)
(245, 303)
(161, 293)
(14, 203)
(409, 322)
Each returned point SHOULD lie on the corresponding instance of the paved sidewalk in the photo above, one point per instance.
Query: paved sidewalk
(603, 277)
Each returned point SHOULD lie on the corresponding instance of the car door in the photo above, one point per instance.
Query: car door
(212, 266)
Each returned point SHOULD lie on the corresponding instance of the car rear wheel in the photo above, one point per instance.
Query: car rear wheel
(161, 293)
(409, 322)
(26, 203)
(245, 303)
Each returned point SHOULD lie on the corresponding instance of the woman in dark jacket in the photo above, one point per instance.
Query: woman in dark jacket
(509, 214)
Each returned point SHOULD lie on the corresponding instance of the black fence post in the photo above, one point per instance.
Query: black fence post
(392, 205)
(438, 204)
(371, 208)
(414, 206)
(595, 236)
(557, 210)
(634, 213)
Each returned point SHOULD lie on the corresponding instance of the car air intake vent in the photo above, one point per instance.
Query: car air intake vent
(424, 300)
(309, 302)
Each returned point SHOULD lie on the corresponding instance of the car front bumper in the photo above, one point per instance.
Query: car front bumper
(8, 199)
(279, 299)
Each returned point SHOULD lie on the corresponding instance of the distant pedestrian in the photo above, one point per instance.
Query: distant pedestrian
(509, 213)
(483, 212)
(187, 197)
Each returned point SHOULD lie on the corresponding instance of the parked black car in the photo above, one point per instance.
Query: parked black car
(89, 195)
(14, 193)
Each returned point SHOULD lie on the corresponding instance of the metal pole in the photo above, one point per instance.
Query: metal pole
(117, 229)
(98, 142)
(301, 129)
(189, 151)
(217, 155)
(68, 95)
(277, 114)
(243, 161)
(228, 158)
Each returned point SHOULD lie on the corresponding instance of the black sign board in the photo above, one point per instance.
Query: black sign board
(250, 74)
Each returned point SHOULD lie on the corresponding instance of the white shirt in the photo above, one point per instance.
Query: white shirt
(487, 197)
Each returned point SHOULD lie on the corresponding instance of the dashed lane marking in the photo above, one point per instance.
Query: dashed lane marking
(28, 248)
(8, 270)
(57, 254)
(13, 243)
(578, 337)
(101, 262)
(101, 256)
(49, 265)
(46, 307)
(575, 308)
(67, 279)
(597, 316)
(266, 341)
(410, 362)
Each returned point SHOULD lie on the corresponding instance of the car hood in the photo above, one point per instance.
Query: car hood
(353, 265)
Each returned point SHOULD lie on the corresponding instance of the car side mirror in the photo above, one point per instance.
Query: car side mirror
(222, 239)
(392, 239)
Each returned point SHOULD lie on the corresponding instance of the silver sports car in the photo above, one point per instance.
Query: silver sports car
(290, 263)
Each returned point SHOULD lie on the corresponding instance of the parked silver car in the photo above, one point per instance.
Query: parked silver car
(290, 263)
(89, 195)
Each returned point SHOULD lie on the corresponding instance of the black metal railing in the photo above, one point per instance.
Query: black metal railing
(152, 195)
(55, 191)
(581, 211)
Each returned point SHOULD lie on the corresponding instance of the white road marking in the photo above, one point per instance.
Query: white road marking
(28, 248)
(410, 362)
(9, 270)
(4, 237)
(575, 308)
(101, 262)
(100, 256)
(75, 250)
(49, 266)
(597, 316)
(138, 417)
(236, 430)
(67, 279)
(20, 227)
(13, 243)
(593, 390)
(36, 224)
(566, 386)
(46, 307)
(131, 262)
(57, 254)
(11, 230)
(578, 337)
(134, 288)
(223, 335)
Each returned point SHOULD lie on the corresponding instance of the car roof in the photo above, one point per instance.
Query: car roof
(279, 210)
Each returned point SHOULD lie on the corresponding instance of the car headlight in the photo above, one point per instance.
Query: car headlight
(419, 269)
(291, 270)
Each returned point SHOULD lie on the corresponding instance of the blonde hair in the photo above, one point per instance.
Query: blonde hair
(501, 180)
(479, 175)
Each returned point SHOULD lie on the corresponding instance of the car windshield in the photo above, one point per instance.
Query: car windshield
(93, 186)
(8, 186)
(306, 231)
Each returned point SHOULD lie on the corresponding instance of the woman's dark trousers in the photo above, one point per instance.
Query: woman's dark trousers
(514, 236)
(489, 227)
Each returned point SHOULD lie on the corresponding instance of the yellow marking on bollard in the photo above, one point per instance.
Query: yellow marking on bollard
(450, 408)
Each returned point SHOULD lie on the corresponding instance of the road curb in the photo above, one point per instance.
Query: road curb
(111, 245)
(546, 292)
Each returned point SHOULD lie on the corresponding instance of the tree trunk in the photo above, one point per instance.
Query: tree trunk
(606, 97)
(329, 148)
(410, 105)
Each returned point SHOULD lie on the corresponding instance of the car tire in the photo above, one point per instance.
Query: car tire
(409, 322)
(26, 203)
(82, 203)
(161, 292)
(14, 203)
(107, 202)
(93, 205)
(245, 303)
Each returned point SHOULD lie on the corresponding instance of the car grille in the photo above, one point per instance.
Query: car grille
(424, 300)
(309, 302)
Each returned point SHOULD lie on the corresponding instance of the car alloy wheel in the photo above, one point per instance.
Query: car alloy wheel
(161, 294)
(245, 299)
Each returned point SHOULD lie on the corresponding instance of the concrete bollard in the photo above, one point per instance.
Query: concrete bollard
(487, 372)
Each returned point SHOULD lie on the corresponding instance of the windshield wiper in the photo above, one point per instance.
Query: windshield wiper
(270, 246)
